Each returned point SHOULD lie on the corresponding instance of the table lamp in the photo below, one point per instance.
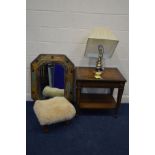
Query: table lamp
(101, 44)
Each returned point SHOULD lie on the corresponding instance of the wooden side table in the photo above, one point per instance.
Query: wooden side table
(111, 78)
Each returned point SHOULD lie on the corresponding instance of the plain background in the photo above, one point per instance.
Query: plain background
(13, 77)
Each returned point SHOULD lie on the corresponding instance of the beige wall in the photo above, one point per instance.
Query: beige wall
(62, 26)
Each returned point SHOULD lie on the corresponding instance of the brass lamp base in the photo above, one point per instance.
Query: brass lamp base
(99, 62)
(98, 75)
(99, 68)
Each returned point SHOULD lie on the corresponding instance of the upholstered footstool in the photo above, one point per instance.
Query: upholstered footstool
(53, 110)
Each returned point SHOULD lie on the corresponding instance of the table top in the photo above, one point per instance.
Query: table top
(109, 74)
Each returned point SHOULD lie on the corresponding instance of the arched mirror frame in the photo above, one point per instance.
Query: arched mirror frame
(52, 58)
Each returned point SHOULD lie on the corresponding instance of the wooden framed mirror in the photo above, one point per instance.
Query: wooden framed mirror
(63, 76)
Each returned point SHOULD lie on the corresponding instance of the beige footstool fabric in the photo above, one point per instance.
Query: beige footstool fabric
(53, 110)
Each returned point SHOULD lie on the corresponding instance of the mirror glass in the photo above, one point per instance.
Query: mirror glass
(51, 80)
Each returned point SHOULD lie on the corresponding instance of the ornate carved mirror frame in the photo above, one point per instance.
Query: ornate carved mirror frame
(52, 58)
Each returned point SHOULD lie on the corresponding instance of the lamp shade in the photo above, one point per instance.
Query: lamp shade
(104, 37)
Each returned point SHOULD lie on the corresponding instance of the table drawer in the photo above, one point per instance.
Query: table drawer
(99, 84)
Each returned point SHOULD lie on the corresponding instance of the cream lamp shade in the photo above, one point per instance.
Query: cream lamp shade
(101, 36)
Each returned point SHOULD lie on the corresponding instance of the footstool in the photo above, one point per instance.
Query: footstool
(54, 110)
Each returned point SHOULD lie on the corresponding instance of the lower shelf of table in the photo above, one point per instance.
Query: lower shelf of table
(97, 101)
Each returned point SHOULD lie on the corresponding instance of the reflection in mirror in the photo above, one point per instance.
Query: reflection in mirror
(52, 80)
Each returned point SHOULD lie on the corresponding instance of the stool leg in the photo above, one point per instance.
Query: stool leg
(67, 122)
(45, 128)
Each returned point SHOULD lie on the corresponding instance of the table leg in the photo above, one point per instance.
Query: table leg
(119, 97)
(78, 92)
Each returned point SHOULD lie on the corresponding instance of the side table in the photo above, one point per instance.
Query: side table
(111, 78)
